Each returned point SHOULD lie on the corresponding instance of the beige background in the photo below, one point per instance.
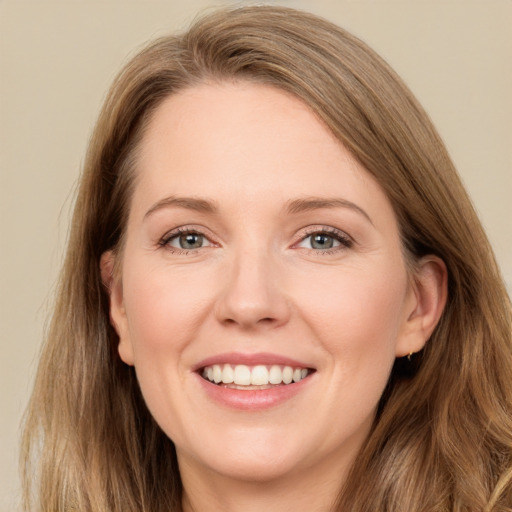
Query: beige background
(58, 58)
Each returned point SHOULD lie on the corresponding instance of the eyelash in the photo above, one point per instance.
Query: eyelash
(345, 242)
(167, 238)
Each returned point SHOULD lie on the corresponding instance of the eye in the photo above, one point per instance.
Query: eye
(186, 240)
(325, 240)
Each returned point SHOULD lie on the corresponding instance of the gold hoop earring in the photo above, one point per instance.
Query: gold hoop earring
(409, 355)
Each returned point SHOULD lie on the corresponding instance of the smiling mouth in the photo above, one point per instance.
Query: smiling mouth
(257, 377)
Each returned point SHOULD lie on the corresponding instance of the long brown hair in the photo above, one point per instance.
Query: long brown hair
(442, 440)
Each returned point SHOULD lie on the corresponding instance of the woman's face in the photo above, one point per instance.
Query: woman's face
(259, 251)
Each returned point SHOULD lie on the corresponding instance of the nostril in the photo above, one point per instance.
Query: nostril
(262, 321)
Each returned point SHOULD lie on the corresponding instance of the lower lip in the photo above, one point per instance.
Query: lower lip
(252, 400)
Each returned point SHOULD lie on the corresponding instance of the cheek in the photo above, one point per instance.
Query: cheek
(357, 312)
(164, 307)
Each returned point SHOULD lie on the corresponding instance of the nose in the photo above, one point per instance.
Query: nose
(253, 295)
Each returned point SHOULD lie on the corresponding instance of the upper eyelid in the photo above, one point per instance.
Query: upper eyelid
(164, 241)
(311, 230)
(192, 228)
(176, 234)
(344, 239)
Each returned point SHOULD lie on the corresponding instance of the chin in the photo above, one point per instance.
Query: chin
(255, 468)
(257, 456)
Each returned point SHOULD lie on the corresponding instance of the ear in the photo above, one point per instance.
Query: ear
(118, 319)
(425, 303)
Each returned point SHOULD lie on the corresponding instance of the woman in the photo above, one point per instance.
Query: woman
(276, 292)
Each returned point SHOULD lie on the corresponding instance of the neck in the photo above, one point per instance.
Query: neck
(208, 491)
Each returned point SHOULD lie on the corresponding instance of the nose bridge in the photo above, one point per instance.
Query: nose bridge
(252, 294)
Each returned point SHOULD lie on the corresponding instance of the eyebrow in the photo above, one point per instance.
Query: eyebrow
(295, 206)
(308, 204)
(189, 203)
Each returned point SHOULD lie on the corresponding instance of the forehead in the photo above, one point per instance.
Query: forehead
(247, 142)
(241, 120)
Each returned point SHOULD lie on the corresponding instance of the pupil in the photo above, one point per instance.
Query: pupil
(191, 241)
(322, 242)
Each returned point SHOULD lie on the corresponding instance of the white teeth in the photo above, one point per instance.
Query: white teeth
(275, 375)
(287, 374)
(242, 375)
(228, 375)
(217, 373)
(259, 375)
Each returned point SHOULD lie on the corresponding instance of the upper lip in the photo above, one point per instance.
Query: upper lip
(262, 358)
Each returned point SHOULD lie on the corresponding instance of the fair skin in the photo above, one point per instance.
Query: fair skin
(254, 239)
